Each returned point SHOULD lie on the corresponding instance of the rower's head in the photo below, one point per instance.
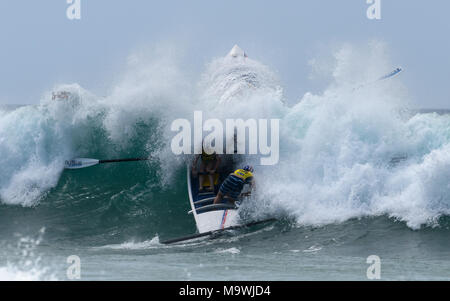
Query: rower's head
(248, 168)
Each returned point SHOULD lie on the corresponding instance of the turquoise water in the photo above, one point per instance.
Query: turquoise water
(115, 226)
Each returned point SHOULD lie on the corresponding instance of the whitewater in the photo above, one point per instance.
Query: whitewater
(359, 173)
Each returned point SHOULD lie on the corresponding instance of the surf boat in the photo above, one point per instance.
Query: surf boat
(209, 216)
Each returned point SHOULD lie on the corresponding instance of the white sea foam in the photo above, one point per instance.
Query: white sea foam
(24, 263)
(14, 273)
(133, 245)
(336, 158)
(229, 250)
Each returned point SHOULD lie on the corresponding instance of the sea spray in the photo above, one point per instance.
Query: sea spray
(26, 265)
(338, 148)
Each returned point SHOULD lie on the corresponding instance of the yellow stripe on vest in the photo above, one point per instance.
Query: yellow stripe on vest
(244, 174)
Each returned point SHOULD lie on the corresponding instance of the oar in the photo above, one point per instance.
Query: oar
(391, 74)
(175, 240)
(87, 162)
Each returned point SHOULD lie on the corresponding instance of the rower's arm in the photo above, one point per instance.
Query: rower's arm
(252, 187)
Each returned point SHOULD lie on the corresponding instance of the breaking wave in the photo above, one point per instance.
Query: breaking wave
(353, 150)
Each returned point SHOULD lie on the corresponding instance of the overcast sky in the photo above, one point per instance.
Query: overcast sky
(40, 47)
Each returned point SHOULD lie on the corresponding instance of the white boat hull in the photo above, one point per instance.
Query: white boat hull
(209, 217)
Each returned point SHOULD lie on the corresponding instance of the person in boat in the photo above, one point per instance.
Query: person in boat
(210, 162)
(232, 187)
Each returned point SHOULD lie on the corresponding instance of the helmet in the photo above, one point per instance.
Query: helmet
(248, 168)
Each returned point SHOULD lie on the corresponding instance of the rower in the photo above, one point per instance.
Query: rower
(234, 183)
(210, 162)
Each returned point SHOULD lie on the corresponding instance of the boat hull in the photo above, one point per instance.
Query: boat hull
(209, 217)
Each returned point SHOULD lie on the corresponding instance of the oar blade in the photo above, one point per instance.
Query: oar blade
(80, 163)
(395, 72)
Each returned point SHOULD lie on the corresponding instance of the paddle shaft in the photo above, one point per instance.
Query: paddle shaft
(88, 162)
(123, 160)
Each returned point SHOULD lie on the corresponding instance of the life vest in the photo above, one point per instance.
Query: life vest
(244, 174)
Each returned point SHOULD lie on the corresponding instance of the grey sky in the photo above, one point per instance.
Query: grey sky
(40, 47)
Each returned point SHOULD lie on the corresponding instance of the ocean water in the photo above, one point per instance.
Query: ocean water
(360, 174)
